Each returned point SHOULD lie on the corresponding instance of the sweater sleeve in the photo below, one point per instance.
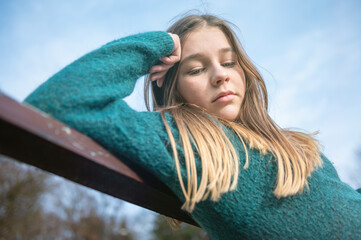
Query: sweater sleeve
(88, 96)
(101, 77)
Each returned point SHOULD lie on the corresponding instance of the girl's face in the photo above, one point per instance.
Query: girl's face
(210, 75)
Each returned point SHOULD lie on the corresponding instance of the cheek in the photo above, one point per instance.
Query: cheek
(192, 90)
(241, 83)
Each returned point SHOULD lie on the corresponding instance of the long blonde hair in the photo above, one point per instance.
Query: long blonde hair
(297, 153)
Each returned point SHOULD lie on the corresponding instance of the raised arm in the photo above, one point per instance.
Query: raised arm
(101, 77)
(87, 95)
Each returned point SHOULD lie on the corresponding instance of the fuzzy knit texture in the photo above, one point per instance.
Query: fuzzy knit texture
(87, 95)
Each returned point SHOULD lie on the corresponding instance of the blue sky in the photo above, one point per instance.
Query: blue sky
(309, 53)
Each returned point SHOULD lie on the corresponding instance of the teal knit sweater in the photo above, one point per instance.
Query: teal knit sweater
(87, 95)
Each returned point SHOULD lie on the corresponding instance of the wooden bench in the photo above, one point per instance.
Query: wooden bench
(31, 136)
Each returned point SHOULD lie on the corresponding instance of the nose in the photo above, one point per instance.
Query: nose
(219, 76)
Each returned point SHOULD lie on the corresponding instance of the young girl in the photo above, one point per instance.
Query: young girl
(210, 138)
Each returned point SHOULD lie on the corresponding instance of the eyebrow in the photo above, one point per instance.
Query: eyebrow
(200, 55)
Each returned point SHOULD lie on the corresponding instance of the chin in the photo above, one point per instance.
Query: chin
(228, 115)
(229, 118)
(229, 112)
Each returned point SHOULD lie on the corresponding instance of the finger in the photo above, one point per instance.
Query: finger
(160, 82)
(152, 77)
(158, 78)
(176, 54)
(170, 59)
(157, 75)
(177, 46)
(160, 68)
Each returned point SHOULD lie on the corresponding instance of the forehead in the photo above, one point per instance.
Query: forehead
(204, 40)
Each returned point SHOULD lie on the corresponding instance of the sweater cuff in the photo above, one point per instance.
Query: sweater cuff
(159, 42)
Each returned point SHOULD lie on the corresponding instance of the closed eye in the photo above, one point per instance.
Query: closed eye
(195, 71)
(229, 64)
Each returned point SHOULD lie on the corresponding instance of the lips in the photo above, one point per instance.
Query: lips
(224, 97)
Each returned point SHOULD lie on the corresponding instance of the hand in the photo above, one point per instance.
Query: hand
(158, 72)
